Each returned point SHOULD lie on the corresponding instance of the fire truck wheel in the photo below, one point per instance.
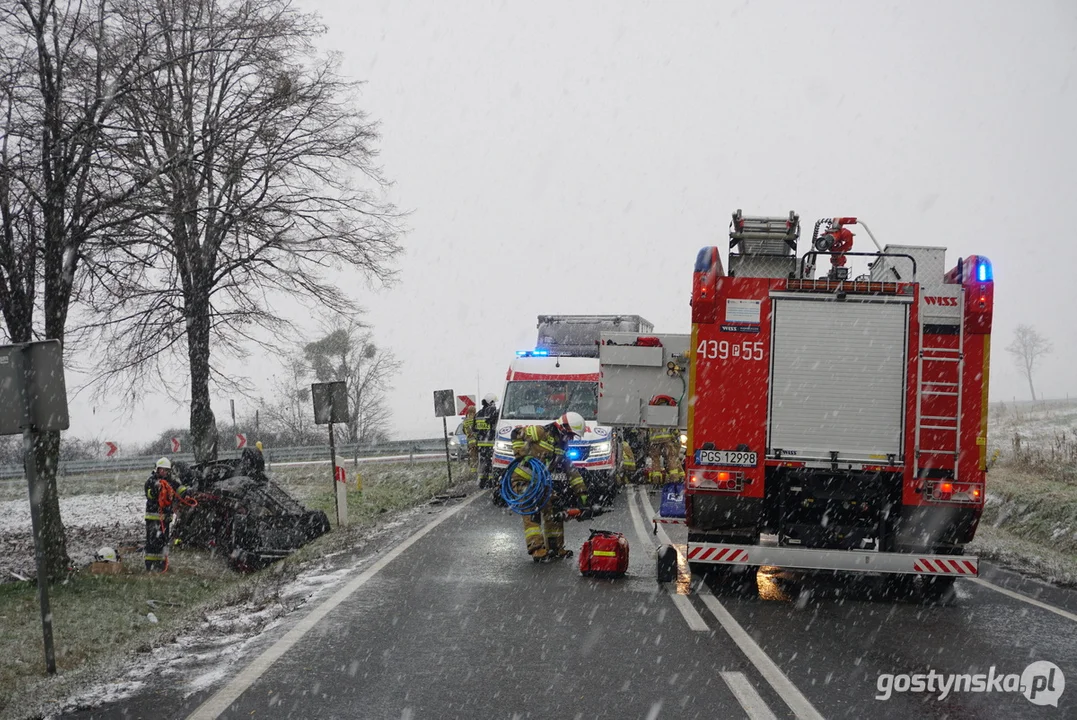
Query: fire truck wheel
(896, 585)
(938, 589)
(727, 580)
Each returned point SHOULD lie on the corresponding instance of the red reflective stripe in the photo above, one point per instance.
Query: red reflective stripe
(956, 566)
(916, 566)
(737, 556)
(578, 377)
(692, 552)
(972, 568)
(928, 567)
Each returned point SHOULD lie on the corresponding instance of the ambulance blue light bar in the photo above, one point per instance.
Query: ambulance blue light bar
(984, 272)
(537, 352)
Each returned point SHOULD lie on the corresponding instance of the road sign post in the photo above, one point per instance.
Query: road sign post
(331, 406)
(444, 406)
(33, 399)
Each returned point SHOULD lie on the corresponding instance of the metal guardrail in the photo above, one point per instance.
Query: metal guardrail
(308, 453)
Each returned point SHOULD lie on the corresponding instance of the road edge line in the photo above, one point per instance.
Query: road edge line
(1024, 598)
(787, 691)
(695, 621)
(221, 700)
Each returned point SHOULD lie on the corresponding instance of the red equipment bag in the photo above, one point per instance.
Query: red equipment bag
(604, 554)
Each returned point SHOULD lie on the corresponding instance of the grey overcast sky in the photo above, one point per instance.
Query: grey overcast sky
(568, 157)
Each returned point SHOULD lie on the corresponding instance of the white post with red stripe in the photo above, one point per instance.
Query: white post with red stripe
(842, 560)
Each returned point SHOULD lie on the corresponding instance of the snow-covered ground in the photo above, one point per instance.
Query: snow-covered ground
(91, 521)
(1041, 426)
(202, 654)
(79, 511)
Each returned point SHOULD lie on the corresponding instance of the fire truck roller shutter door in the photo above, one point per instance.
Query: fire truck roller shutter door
(838, 380)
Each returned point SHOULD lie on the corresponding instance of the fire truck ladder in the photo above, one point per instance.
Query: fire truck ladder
(760, 235)
(947, 367)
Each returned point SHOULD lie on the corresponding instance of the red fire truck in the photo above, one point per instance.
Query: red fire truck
(836, 422)
(845, 416)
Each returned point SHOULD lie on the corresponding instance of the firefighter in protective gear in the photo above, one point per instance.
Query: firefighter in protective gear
(472, 441)
(664, 458)
(628, 463)
(162, 493)
(485, 431)
(544, 532)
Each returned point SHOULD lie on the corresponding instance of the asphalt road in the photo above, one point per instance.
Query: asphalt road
(457, 622)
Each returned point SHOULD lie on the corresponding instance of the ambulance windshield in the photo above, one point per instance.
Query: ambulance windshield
(549, 399)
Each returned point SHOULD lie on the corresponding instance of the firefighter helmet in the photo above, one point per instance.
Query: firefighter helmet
(573, 422)
(164, 463)
(106, 554)
(489, 398)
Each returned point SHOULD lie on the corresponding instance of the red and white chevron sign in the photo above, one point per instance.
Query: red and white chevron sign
(718, 555)
(112, 448)
(175, 445)
(241, 441)
(945, 567)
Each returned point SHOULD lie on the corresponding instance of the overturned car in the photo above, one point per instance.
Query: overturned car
(239, 511)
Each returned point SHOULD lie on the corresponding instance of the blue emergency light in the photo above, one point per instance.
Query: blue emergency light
(573, 453)
(984, 273)
(541, 352)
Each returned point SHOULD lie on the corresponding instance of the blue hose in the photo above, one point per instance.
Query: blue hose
(537, 493)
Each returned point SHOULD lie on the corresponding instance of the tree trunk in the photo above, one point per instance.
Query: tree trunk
(1028, 374)
(46, 454)
(203, 423)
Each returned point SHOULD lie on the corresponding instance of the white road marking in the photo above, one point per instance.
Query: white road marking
(782, 685)
(684, 605)
(1024, 598)
(223, 698)
(746, 695)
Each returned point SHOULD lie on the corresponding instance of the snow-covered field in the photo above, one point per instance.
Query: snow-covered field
(91, 521)
(79, 511)
(1046, 430)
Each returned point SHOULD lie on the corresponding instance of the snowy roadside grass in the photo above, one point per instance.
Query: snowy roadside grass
(386, 487)
(94, 615)
(1028, 558)
(101, 621)
(1030, 523)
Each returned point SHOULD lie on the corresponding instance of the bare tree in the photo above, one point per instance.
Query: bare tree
(270, 189)
(289, 416)
(348, 353)
(1027, 347)
(61, 72)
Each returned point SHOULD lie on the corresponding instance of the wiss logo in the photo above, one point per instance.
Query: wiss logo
(947, 301)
